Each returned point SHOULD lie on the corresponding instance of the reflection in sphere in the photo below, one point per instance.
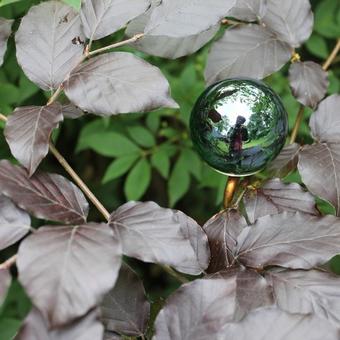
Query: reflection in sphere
(238, 126)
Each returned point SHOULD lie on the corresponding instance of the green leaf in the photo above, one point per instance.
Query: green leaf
(334, 83)
(138, 180)
(193, 162)
(160, 161)
(153, 120)
(111, 144)
(27, 88)
(8, 328)
(317, 46)
(326, 18)
(179, 181)
(74, 3)
(119, 167)
(9, 94)
(142, 136)
(7, 2)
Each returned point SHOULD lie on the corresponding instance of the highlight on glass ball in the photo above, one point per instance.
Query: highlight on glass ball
(238, 126)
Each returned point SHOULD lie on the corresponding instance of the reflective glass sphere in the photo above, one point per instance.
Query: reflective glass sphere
(238, 126)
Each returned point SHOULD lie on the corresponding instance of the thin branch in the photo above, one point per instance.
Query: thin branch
(119, 44)
(8, 263)
(3, 117)
(298, 121)
(332, 56)
(79, 182)
(55, 95)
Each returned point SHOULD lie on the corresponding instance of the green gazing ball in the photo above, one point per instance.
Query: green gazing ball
(238, 126)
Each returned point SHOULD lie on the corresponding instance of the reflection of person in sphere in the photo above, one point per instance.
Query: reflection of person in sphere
(236, 136)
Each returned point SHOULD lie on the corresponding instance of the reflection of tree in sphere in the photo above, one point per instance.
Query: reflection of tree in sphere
(238, 126)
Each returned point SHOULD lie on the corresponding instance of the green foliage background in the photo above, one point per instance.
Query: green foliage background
(148, 156)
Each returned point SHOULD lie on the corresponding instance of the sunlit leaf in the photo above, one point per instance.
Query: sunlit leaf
(28, 131)
(154, 234)
(275, 197)
(223, 230)
(47, 196)
(309, 82)
(14, 223)
(67, 270)
(291, 240)
(44, 43)
(74, 3)
(291, 20)
(125, 309)
(307, 292)
(35, 327)
(249, 51)
(177, 18)
(166, 46)
(118, 82)
(5, 31)
(104, 17)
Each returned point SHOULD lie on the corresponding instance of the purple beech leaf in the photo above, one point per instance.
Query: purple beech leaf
(246, 51)
(178, 18)
(71, 111)
(66, 270)
(274, 324)
(290, 240)
(14, 223)
(45, 43)
(252, 289)
(46, 196)
(275, 197)
(154, 234)
(101, 18)
(291, 20)
(309, 82)
(35, 327)
(5, 32)
(198, 310)
(165, 46)
(325, 121)
(307, 292)
(319, 167)
(118, 82)
(249, 10)
(223, 230)
(125, 309)
(28, 131)
(5, 281)
(112, 336)
(285, 162)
